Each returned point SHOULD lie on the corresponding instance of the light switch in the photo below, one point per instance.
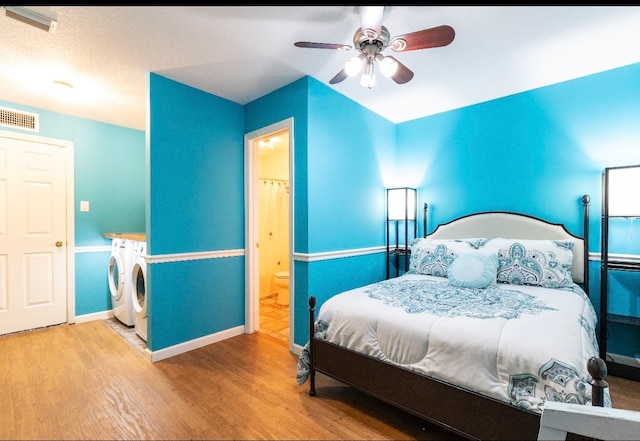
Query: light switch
(84, 205)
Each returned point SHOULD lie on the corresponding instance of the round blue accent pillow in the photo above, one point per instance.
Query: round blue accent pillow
(473, 270)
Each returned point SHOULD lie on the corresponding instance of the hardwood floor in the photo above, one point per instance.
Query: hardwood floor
(85, 381)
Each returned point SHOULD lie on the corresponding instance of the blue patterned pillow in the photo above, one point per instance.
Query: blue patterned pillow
(433, 257)
(473, 270)
(545, 263)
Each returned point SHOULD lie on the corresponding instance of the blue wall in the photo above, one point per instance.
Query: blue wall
(537, 152)
(195, 203)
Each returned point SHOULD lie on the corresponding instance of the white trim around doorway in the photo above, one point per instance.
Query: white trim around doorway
(252, 282)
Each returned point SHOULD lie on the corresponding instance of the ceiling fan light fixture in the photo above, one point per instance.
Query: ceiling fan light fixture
(368, 78)
(371, 38)
(388, 65)
(353, 66)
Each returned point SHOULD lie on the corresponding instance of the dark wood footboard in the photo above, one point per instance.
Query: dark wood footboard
(458, 410)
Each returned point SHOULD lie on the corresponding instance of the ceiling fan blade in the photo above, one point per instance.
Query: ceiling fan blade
(308, 44)
(340, 76)
(371, 20)
(427, 38)
(403, 73)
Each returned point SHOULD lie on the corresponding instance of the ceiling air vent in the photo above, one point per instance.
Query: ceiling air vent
(31, 18)
(19, 120)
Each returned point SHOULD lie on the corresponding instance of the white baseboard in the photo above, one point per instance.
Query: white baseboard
(297, 349)
(181, 348)
(623, 359)
(104, 315)
(190, 345)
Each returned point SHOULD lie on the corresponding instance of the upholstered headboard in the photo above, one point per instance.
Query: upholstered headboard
(492, 224)
(513, 226)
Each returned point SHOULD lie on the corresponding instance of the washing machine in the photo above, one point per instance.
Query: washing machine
(139, 289)
(120, 264)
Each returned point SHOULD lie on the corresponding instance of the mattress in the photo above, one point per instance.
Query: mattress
(520, 344)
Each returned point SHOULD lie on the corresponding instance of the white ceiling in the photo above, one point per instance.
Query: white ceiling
(244, 52)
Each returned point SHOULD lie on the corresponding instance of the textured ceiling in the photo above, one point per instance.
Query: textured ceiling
(242, 53)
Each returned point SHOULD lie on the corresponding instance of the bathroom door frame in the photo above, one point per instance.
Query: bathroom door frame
(252, 226)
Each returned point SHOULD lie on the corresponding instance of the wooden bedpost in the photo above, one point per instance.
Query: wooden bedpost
(585, 235)
(598, 370)
(312, 372)
(424, 221)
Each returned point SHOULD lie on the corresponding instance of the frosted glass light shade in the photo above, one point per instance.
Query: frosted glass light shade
(368, 78)
(624, 191)
(388, 66)
(353, 66)
(401, 203)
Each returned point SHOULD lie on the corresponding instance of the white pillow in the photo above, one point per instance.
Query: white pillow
(473, 270)
(433, 256)
(545, 263)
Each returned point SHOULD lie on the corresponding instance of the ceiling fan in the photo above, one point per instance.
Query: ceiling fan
(371, 38)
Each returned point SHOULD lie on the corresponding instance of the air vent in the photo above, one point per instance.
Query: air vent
(31, 18)
(19, 120)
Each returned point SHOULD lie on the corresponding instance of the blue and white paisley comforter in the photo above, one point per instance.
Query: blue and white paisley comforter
(519, 344)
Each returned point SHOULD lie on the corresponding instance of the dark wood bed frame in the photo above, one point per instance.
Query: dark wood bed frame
(461, 411)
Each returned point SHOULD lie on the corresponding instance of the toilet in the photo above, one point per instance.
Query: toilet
(281, 280)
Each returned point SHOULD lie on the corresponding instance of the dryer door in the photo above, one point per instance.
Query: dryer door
(139, 286)
(116, 276)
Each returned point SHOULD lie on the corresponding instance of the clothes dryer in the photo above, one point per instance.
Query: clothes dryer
(120, 263)
(139, 289)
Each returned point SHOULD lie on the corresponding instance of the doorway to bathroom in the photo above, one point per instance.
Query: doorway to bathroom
(269, 231)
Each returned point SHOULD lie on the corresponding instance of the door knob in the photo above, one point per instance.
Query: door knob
(59, 243)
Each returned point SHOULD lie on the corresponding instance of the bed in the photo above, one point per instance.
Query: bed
(492, 320)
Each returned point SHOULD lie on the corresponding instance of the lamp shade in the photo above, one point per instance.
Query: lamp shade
(401, 203)
(623, 191)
